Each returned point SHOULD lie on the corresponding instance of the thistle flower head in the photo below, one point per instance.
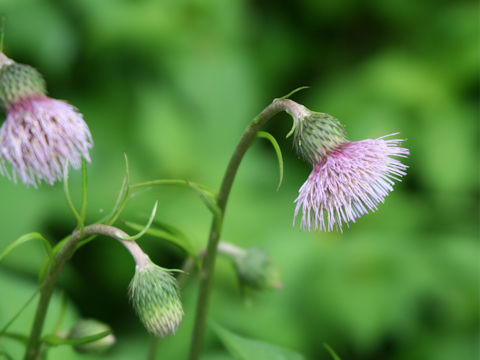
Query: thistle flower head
(349, 181)
(40, 135)
(256, 270)
(348, 178)
(89, 327)
(155, 297)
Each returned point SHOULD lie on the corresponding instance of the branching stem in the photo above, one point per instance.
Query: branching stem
(34, 345)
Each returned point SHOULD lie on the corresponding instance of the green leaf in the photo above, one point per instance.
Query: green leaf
(273, 141)
(122, 196)
(207, 195)
(15, 336)
(210, 203)
(18, 313)
(293, 92)
(26, 238)
(66, 190)
(146, 227)
(54, 340)
(331, 352)
(160, 231)
(246, 349)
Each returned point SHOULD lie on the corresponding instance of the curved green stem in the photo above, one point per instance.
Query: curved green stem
(34, 345)
(206, 275)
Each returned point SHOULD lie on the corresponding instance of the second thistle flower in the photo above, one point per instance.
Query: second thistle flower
(40, 135)
(349, 178)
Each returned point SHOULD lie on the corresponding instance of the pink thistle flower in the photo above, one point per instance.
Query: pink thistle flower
(40, 135)
(350, 181)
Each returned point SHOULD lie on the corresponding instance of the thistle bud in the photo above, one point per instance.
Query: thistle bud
(89, 327)
(315, 133)
(155, 297)
(40, 135)
(19, 82)
(256, 270)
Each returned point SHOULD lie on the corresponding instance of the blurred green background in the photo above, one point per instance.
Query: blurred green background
(173, 83)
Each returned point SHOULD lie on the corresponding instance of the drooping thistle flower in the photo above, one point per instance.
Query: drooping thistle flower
(349, 178)
(40, 135)
(155, 297)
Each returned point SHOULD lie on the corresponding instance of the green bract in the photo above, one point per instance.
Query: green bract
(155, 297)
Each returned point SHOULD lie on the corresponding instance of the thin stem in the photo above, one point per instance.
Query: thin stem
(34, 345)
(206, 275)
(83, 209)
(2, 34)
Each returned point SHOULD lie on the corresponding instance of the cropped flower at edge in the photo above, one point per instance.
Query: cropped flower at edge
(348, 179)
(40, 135)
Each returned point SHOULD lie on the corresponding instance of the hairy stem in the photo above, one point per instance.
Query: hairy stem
(206, 274)
(34, 345)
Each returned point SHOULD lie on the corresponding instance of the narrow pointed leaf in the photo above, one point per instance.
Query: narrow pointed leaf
(278, 151)
(26, 238)
(293, 92)
(331, 352)
(164, 235)
(19, 312)
(146, 227)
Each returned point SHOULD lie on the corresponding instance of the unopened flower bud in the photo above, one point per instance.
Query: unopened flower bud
(256, 270)
(314, 133)
(154, 294)
(89, 327)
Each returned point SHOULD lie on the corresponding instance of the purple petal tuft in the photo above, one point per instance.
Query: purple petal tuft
(348, 182)
(39, 137)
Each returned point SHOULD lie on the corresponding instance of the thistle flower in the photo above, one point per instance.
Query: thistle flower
(154, 295)
(348, 178)
(40, 135)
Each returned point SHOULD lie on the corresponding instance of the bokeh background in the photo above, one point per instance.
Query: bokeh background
(173, 83)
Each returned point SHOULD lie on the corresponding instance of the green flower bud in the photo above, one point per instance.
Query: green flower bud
(89, 327)
(155, 297)
(256, 270)
(315, 133)
(19, 82)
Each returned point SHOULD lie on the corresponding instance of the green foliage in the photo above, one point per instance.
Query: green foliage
(174, 83)
(165, 232)
(26, 238)
(278, 152)
(245, 349)
(54, 340)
